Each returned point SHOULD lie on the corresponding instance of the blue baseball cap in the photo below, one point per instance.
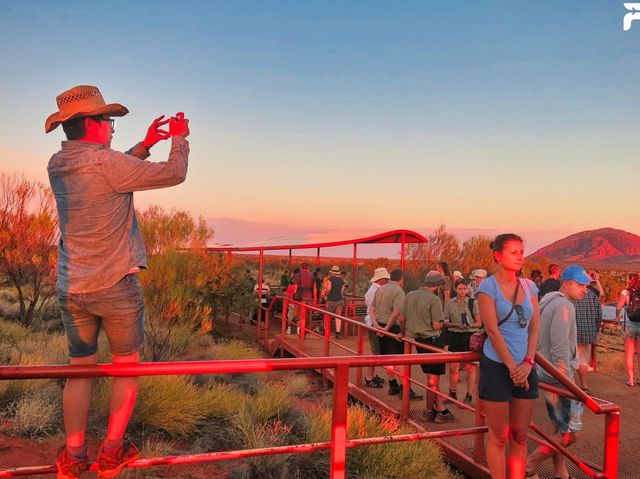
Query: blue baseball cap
(575, 273)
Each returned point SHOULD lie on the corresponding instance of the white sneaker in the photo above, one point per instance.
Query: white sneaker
(289, 330)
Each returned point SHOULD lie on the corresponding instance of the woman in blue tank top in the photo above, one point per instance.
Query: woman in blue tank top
(508, 384)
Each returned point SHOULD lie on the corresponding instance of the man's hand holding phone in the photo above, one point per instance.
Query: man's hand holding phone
(179, 125)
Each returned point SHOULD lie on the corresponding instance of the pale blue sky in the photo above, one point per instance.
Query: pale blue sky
(501, 115)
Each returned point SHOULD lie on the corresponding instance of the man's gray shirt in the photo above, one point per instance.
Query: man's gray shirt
(93, 186)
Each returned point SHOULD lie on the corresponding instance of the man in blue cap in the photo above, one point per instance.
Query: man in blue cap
(558, 344)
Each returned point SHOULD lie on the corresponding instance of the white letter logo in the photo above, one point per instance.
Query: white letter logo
(630, 17)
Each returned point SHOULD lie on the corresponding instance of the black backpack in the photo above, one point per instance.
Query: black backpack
(633, 306)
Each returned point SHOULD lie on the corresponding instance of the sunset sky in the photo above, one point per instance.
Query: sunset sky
(486, 116)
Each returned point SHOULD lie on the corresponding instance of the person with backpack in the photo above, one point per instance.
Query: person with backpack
(305, 291)
(461, 319)
(629, 303)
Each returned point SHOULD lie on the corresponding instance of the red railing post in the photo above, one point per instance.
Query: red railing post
(611, 444)
(284, 324)
(339, 423)
(406, 385)
(267, 315)
(302, 323)
(360, 353)
(326, 326)
(259, 323)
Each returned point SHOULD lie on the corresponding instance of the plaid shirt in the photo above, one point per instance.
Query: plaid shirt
(588, 317)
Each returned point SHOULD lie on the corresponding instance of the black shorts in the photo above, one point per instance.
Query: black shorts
(495, 383)
(389, 345)
(459, 342)
(438, 342)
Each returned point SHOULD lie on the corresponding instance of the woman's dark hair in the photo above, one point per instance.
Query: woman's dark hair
(458, 282)
(498, 243)
(445, 267)
(74, 128)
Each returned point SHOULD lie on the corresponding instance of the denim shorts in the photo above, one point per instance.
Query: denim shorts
(564, 413)
(374, 342)
(632, 329)
(495, 383)
(119, 310)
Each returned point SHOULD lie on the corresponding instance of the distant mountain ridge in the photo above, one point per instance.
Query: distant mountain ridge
(605, 246)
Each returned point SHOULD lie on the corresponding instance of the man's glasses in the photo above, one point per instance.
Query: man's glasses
(522, 320)
(112, 121)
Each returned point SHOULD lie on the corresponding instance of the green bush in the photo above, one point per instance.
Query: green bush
(418, 458)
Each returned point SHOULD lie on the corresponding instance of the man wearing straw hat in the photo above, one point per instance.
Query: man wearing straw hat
(335, 298)
(99, 254)
(380, 277)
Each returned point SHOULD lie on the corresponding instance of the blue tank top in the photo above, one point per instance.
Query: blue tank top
(517, 338)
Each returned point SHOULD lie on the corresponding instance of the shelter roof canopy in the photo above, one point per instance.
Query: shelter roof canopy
(325, 240)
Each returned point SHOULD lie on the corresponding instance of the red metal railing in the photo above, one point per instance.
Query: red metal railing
(338, 444)
(610, 410)
(341, 366)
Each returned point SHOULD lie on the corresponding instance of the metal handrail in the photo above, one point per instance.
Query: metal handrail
(610, 410)
(338, 444)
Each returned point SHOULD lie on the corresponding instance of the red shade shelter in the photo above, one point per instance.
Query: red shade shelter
(324, 240)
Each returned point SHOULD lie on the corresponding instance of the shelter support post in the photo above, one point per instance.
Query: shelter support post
(406, 385)
(402, 251)
(260, 287)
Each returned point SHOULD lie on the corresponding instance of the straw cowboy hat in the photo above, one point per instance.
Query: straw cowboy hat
(335, 270)
(380, 273)
(81, 100)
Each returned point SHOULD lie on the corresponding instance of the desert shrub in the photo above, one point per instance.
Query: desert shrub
(41, 349)
(271, 401)
(234, 349)
(36, 349)
(172, 404)
(297, 386)
(177, 406)
(418, 458)
(36, 413)
(222, 400)
(9, 309)
(12, 332)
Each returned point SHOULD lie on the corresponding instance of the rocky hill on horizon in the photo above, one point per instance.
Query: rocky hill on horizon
(604, 247)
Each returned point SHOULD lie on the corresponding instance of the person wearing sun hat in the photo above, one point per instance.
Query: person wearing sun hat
(99, 253)
(335, 298)
(380, 277)
(558, 344)
(424, 321)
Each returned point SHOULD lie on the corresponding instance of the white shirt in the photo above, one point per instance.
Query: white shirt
(368, 299)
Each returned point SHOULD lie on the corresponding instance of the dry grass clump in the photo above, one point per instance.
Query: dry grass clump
(297, 386)
(33, 349)
(178, 406)
(36, 413)
(271, 401)
(418, 458)
(12, 332)
(233, 349)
